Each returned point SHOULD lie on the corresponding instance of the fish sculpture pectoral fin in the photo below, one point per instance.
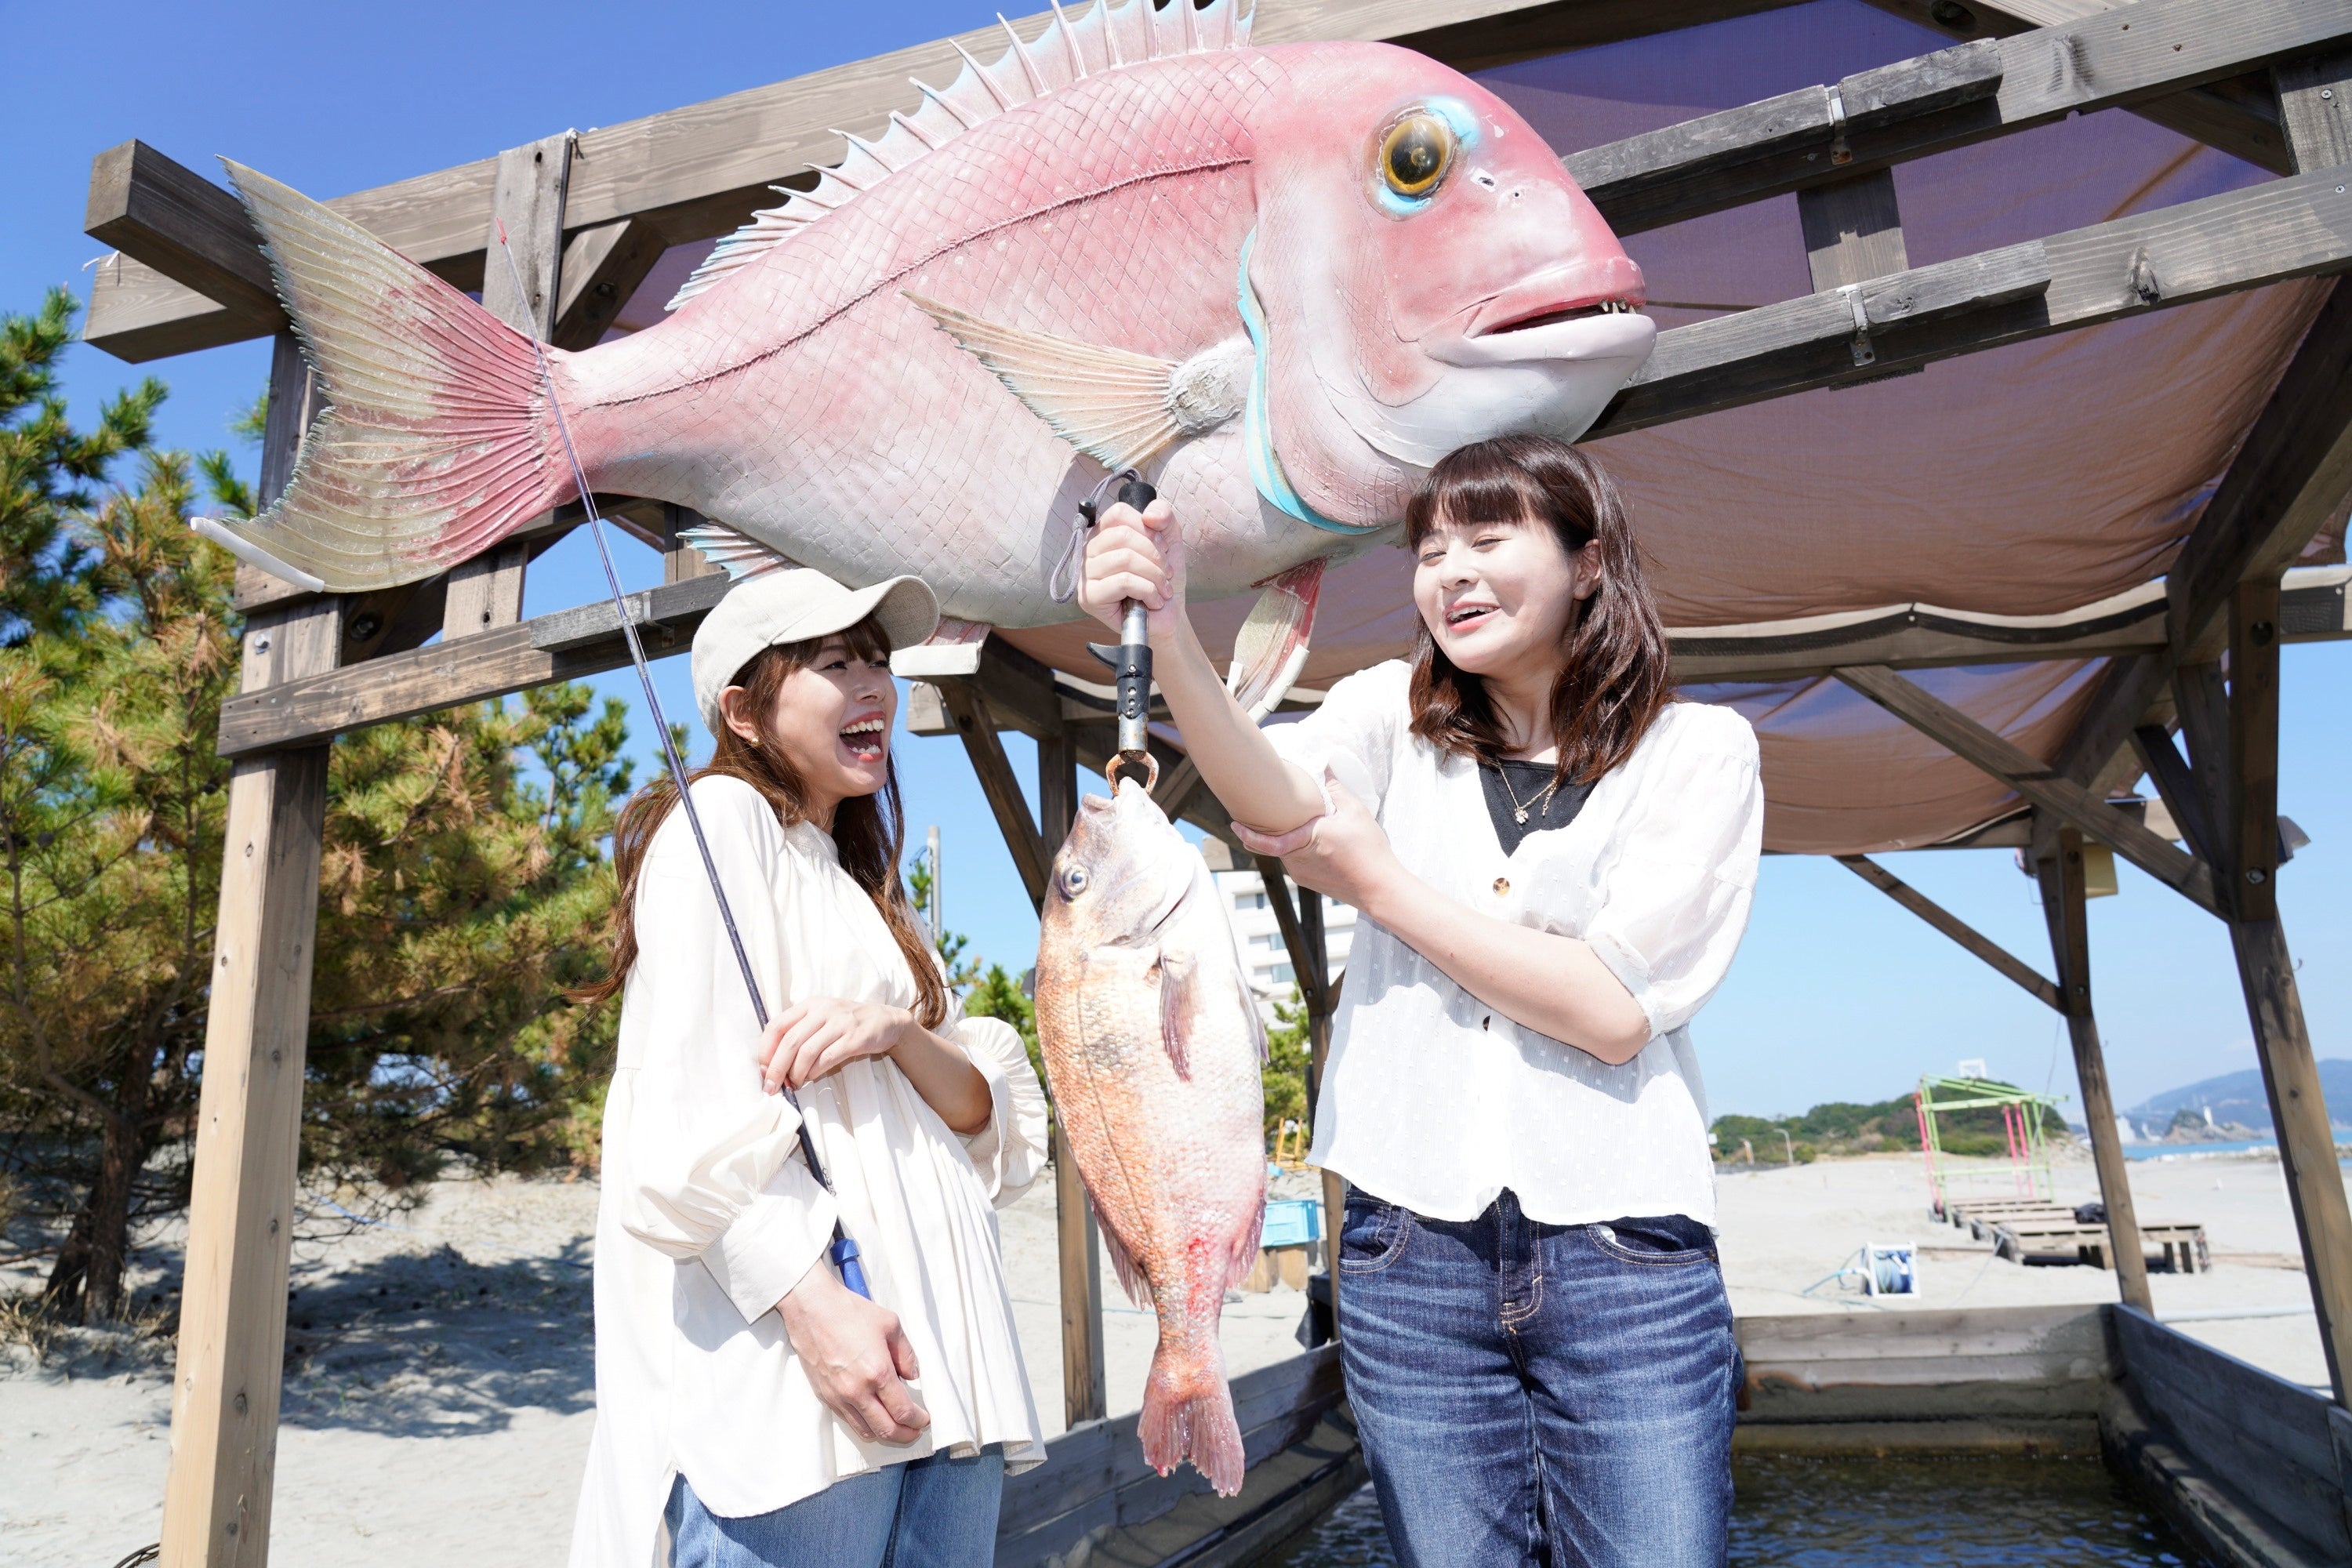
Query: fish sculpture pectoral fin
(1271, 648)
(1119, 407)
(438, 440)
(736, 554)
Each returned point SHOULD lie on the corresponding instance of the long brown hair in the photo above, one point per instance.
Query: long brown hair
(1616, 676)
(868, 831)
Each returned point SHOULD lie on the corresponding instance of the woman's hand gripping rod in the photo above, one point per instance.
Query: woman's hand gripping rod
(1132, 662)
(844, 1251)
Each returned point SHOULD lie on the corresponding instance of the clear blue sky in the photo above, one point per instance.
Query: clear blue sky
(1837, 996)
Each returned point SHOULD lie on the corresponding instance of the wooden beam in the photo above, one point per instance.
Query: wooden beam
(2060, 872)
(2248, 824)
(232, 1341)
(1853, 231)
(182, 225)
(2040, 784)
(1078, 1236)
(2306, 1143)
(602, 268)
(2176, 787)
(1031, 856)
(696, 173)
(2265, 234)
(2232, 112)
(2313, 109)
(2016, 970)
(1308, 978)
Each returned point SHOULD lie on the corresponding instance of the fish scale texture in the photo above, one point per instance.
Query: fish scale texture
(1173, 1161)
(807, 401)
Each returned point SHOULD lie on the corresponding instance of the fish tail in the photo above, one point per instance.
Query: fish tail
(436, 441)
(1188, 1414)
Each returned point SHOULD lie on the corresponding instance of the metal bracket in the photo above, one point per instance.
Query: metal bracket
(1864, 353)
(1840, 154)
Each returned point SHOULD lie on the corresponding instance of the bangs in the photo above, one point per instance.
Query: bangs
(1477, 486)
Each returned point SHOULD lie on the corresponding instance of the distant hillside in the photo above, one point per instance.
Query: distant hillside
(2238, 1096)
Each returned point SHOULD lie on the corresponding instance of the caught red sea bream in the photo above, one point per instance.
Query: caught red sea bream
(1153, 1044)
(1282, 281)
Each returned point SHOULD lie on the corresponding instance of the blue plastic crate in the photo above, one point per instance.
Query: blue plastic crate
(1292, 1222)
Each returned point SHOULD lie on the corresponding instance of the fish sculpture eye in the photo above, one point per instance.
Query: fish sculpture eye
(1416, 152)
(1074, 882)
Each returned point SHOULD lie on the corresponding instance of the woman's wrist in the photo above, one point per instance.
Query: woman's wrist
(903, 1031)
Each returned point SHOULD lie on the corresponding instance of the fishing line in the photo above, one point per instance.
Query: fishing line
(844, 1251)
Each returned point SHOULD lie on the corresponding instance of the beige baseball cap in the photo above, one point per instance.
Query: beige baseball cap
(793, 604)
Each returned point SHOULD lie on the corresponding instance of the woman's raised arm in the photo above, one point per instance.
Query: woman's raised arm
(1134, 556)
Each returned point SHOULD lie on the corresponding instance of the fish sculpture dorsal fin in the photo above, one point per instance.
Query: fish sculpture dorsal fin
(1104, 36)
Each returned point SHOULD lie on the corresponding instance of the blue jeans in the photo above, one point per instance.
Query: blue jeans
(1534, 1393)
(933, 1512)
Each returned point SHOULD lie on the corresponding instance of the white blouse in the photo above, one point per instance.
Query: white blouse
(1434, 1100)
(708, 1216)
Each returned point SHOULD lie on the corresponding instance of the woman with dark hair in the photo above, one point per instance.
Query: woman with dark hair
(1554, 863)
(749, 1406)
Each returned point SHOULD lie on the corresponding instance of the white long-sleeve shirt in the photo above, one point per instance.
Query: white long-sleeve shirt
(1435, 1100)
(708, 1216)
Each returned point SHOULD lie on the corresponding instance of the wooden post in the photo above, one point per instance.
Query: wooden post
(2061, 873)
(1853, 231)
(485, 593)
(1317, 995)
(1084, 1396)
(2247, 815)
(224, 1391)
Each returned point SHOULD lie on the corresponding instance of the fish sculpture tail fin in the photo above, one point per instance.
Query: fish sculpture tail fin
(1188, 1414)
(437, 440)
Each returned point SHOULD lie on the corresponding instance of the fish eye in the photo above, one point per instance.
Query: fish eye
(1074, 882)
(1416, 152)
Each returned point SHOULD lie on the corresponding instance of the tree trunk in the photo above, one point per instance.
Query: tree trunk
(87, 1279)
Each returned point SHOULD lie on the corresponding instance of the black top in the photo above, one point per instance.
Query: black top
(1529, 782)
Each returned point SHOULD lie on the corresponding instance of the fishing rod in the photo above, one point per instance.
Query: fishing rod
(844, 1251)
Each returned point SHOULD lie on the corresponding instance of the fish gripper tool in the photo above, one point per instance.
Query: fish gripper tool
(1130, 662)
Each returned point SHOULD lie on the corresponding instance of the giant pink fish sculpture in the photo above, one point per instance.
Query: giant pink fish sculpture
(1282, 281)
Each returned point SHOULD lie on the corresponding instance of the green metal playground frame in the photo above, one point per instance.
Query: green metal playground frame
(2022, 1114)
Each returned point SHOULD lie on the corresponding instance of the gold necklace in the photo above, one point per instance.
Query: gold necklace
(1518, 812)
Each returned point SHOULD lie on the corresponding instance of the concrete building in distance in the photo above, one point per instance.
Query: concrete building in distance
(1270, 973)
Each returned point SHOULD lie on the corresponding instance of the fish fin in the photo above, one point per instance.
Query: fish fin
(1271, 648)
(1177, 975)
(1112, 404)
(1103, 38)
(1188, 1414)
(1122, 1263)
(733, 551)
(435, 441)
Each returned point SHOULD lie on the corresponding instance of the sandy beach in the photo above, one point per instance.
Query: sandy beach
(440, 1390)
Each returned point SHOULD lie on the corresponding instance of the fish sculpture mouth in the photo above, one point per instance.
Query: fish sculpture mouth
(1560, 313)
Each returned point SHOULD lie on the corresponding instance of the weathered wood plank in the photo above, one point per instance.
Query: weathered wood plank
(602, 268)
(1853, 230)
(2266, 234)
(2012, 968)
(968, 706)
(151, 208)
(697, 172)
(2061, 875)
(226, 1387)
(2313, 109)
(2035, 780)
(2265, 1436)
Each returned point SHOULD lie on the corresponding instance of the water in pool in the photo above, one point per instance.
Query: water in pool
(1921, 1512)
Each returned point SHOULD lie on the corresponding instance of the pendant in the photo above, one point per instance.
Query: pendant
(1521, 815)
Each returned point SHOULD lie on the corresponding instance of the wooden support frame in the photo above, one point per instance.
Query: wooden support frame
(2040, 784)
(697, 172)
(225, 1385)
(2058, 866)
(1301, 923)
(2009, 967)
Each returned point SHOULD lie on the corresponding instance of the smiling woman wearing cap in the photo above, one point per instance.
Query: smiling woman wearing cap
(747, 1402)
